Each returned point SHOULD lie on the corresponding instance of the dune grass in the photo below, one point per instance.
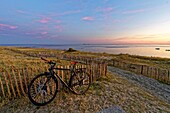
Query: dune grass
(107, 91)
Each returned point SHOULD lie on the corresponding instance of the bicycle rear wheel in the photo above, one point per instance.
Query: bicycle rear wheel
(42, 89)
(80, 82)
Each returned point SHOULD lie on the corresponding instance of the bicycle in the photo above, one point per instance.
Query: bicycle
(44, 87)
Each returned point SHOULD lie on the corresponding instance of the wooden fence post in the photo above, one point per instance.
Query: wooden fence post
(62, 73)
(58, 72)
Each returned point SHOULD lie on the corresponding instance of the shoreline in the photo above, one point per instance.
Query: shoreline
(136, 50)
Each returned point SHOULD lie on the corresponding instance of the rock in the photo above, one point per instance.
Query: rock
(71, 50)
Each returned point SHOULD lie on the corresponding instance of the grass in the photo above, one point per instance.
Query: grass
(107, 91)
(152, 61)
(12, 59)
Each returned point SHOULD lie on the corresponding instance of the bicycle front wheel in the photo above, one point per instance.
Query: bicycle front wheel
(80, 82)
(42, 89)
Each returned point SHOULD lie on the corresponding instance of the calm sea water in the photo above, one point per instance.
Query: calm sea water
(143, 50)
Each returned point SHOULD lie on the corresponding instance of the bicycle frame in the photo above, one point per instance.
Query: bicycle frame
(53, 73)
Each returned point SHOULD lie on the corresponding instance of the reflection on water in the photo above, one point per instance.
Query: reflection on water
(135, 50)
(143, 50)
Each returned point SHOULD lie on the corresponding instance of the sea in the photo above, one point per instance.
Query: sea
(142, 50)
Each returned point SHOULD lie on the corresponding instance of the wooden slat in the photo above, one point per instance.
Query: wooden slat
(11, 84)
(58, 72)
(16, 83)
(6, 81)
(2, 87)
(25, 81)
(62, 73)
(21, 84)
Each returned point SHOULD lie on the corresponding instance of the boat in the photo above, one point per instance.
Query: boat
(167, 50)
(157, 48)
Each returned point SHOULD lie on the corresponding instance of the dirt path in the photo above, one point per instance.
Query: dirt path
(158, 89)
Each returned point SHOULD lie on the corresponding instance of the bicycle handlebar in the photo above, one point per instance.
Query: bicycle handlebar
(51, 62)
(45, 60)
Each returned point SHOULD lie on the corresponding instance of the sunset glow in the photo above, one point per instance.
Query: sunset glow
(85, 21)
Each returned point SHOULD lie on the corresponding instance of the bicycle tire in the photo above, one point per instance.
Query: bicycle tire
(42, 90)
(78, 81)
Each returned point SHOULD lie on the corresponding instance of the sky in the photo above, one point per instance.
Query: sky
(85, 22)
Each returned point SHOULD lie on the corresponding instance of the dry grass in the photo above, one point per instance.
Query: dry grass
(106, 92)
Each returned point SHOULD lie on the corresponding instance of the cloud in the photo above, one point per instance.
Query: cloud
(37, 32)
(105, 10)
(44, 20)
(6, 26)
(58, 21)
(21, 12)
(143, 39)
(116, 21)
(133, 11)
(120, 20)
(70, 12)
(88, 18)
(44, 33)
(54, 14)
(59, 28)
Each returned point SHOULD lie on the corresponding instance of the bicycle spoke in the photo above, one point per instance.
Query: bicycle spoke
(80, 83)
(42, 90)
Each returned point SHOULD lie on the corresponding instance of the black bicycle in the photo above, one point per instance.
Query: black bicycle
(44, 87)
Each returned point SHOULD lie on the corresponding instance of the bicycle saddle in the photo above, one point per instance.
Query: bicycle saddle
(74, 62)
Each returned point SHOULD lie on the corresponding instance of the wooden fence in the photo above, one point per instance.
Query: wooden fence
(159, 74)
(14, 82)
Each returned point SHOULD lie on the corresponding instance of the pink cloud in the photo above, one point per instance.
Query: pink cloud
(58, 21)
(3, 26)
(108, 9)
(116, 21)
(65, 13)
(44, 20)
(44, 33)
(59, 28)
(88, 18)
(29, 33)
(44, 28)
(37, 33)
(133, 11)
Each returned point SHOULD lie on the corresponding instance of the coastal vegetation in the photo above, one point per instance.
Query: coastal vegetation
(106, 91)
